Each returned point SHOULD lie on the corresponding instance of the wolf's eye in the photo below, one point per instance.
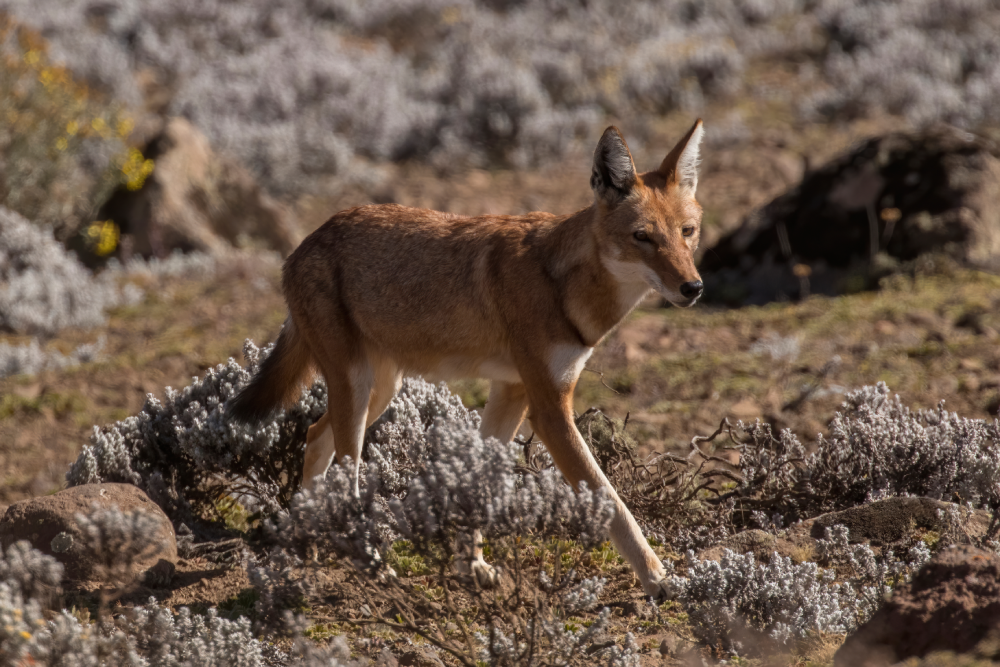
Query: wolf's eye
(688, 231)
(641, 236)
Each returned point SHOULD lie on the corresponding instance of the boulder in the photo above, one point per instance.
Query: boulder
(887, 521)
(934, 191)
(952, 604)
(49, 524)
(196, 199)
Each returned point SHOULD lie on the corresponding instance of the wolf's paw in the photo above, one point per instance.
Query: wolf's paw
(484, 573)
(660, 588)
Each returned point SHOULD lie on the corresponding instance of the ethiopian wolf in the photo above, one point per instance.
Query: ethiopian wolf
(379, 292)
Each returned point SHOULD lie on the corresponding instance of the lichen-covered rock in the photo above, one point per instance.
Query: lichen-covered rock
(108, 547)
(952, 604)
(913, 193)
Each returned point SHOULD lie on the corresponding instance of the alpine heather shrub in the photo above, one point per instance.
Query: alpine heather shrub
(464, 483)
(181, 450)
(143, 635)
(877, 448)
(874, 577)
(328, 520)
(928, 60)
(299, 90)
(553, 643)
(31, 573)
(44, 288)
(735, 599)
(31, 358)
(469, 483)
(398, 440)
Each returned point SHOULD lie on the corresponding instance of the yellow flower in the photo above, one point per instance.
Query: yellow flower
(104, 236)
(25, 634)
(136, 169)
(72, 128)
(125, 126)
(32, 57)
(62, 144)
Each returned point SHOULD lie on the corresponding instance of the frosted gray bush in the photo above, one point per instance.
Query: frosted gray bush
(470, 483)
(146, 635)
(782, 600)
(463, 484)
(555, 644)
(182, 449)
(29, 572)
(32, 358)
(928, 60)
(398, 440)
(44, 288)
(877, 448)
(299, 89)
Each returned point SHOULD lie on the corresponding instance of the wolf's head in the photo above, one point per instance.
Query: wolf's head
(648, 225)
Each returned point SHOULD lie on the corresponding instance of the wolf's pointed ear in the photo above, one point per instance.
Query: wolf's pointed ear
(680, 167)
(614, 172)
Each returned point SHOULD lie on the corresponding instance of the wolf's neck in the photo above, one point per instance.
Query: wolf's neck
(597, 295)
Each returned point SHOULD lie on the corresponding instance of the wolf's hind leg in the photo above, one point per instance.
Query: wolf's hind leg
(504, 413)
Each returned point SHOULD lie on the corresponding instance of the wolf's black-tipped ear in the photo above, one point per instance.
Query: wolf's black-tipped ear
(680, 167)
(614, 172)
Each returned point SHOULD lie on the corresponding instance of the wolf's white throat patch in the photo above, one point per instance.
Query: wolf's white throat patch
(566, 362)
(634, 280)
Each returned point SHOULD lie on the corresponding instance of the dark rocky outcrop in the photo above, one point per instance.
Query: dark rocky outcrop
(913, 194)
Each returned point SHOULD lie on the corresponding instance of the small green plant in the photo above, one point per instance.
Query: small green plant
(236, 516)
(405, 562)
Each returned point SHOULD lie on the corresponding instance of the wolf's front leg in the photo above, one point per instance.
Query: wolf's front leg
(551, 415)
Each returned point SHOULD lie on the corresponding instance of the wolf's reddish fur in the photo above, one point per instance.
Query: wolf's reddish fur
(379, 292)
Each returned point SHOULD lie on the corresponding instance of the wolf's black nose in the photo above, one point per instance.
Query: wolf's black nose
(692, 289)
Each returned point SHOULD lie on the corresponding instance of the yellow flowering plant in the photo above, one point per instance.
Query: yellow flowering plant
(63, 148)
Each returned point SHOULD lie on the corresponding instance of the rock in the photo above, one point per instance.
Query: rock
(890, 520)
(933, 191)
(669, 645)
(952, 604)
(49, 524)
(196, 199)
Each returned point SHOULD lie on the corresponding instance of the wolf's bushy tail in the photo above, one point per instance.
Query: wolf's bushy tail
(277, 381)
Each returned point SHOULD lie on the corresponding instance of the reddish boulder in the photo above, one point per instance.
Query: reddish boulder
(49, 523)
(952, 604)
